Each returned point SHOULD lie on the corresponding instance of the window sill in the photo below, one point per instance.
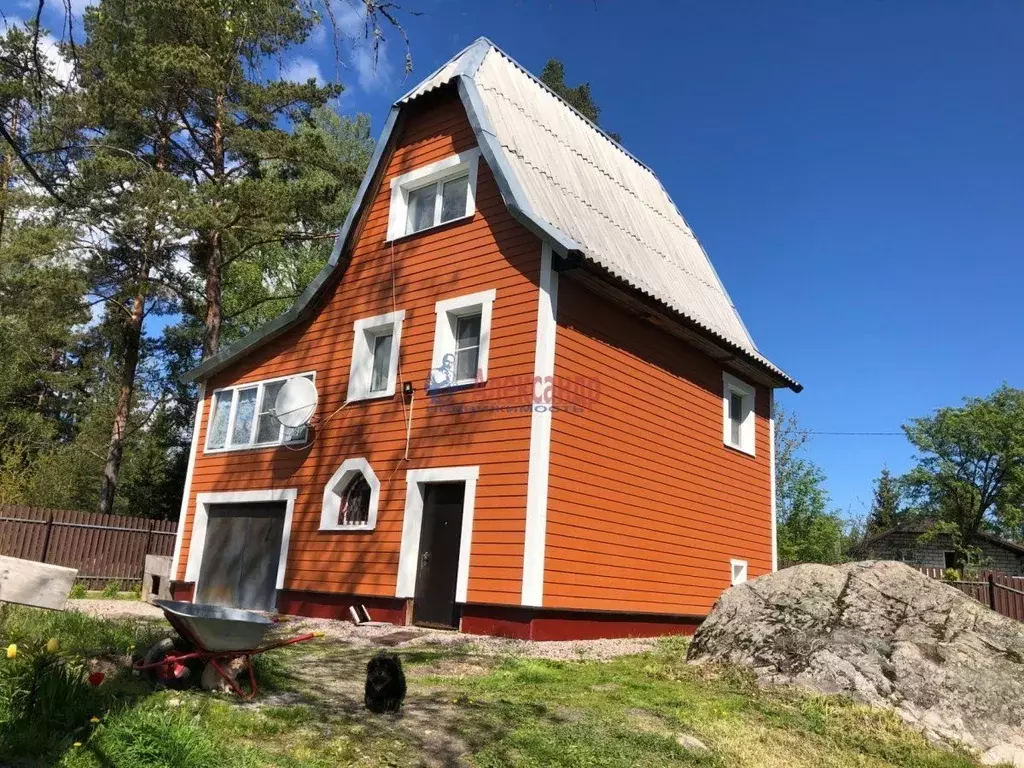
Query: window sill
(363, 397)
(457, 387)
(431, 228)
(346, 528)
(738, 448)
(251, 448)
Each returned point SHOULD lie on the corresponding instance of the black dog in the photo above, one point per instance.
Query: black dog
(385, 683)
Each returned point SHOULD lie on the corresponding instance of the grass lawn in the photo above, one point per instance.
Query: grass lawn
(463, 708)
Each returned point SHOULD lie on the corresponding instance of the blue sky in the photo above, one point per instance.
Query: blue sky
(854, 170)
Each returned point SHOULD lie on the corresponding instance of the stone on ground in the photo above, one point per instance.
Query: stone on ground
(888, 636)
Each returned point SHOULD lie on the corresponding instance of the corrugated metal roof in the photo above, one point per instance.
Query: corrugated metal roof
(569, 181)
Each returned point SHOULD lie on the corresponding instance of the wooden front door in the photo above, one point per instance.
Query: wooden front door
(438, 569)
(241, 555)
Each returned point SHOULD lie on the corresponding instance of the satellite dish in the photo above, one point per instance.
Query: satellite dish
(296, 402)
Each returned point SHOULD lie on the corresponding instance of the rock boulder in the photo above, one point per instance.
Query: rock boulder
(886, 635)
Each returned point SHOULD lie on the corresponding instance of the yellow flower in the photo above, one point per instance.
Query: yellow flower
(12, 650)
(52, 646)
(77, 744)
(94, 719)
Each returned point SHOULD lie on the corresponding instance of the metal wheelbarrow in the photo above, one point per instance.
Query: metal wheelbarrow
(209, 635)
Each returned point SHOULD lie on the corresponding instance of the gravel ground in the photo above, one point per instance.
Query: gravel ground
(376, 636)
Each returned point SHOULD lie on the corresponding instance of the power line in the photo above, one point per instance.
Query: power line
(815, 432)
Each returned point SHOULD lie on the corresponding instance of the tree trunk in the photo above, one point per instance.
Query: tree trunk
(115, 448)
(215, 243)
(212, 323)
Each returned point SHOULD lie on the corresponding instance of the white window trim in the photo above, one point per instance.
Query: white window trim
(731, 385)
(743, 575)
(331, 509)
(197, 542)
(179, 537)
(361, 368)
(408, 559)
(444, 332)
(442, 170)
(261, 384)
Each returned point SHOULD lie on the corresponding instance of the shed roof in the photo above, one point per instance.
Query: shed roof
(566, 179)
(924, 525)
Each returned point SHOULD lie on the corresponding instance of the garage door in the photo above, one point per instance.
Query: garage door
(241, 555)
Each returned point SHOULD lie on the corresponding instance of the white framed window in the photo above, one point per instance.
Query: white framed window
(375, 344)
(462, 340)
(434, 194)
(242, 417)
(737, 414)
(738, 570)
(351, 498)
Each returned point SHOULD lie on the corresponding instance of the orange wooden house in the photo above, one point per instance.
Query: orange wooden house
(540, 414)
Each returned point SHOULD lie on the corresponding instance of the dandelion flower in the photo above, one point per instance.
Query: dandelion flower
(52, 646)
(12, 650)
(77, 744)
(94, 719)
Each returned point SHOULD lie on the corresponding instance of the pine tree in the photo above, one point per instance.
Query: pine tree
(885, 508)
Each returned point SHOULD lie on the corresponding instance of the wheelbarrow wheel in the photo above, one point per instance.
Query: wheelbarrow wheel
(173, 674)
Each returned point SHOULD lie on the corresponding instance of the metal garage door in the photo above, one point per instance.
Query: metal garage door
(241, 554)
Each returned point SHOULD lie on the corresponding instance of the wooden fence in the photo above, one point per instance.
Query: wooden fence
(1003, 594)
(103, 548)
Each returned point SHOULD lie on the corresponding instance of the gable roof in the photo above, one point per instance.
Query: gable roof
(924, 525)
(569, 182)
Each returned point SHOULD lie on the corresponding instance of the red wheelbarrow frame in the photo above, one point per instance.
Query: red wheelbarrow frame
(217, 658)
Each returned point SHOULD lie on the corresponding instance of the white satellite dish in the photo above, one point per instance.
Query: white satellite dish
(296, 402)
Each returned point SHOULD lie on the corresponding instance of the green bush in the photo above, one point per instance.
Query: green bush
(111, 591)
(79, 592)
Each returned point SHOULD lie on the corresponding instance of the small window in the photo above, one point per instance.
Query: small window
(467, 347)
(739, 571)
(355, 502)
(351, 497)
(375, 348)
(738, 414)
(461, 340)
(433, 195)
(243, 417)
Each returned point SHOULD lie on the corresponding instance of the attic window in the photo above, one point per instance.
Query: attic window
(433, 195)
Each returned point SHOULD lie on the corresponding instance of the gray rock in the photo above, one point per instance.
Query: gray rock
(888, 636)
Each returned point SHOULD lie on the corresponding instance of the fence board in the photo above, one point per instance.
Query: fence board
(102, 547)
(1000, 591)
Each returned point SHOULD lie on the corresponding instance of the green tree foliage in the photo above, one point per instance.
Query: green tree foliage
(578, 97)
(173, 178)
(970, 467)
(886, 506)
(807, 532)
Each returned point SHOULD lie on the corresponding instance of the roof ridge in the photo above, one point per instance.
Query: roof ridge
(590, 123)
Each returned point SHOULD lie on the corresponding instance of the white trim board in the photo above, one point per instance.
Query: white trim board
(447, 168)
(183, 514)
(771, 471)
(408, 559)
(361, 367)
(540, 436)
(198, 540)
(447, 311)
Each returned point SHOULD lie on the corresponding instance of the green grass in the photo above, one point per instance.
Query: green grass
(631, 711)
(508, 712)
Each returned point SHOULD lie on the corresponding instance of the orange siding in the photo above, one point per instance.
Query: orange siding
(646, 504)
(489, 251)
